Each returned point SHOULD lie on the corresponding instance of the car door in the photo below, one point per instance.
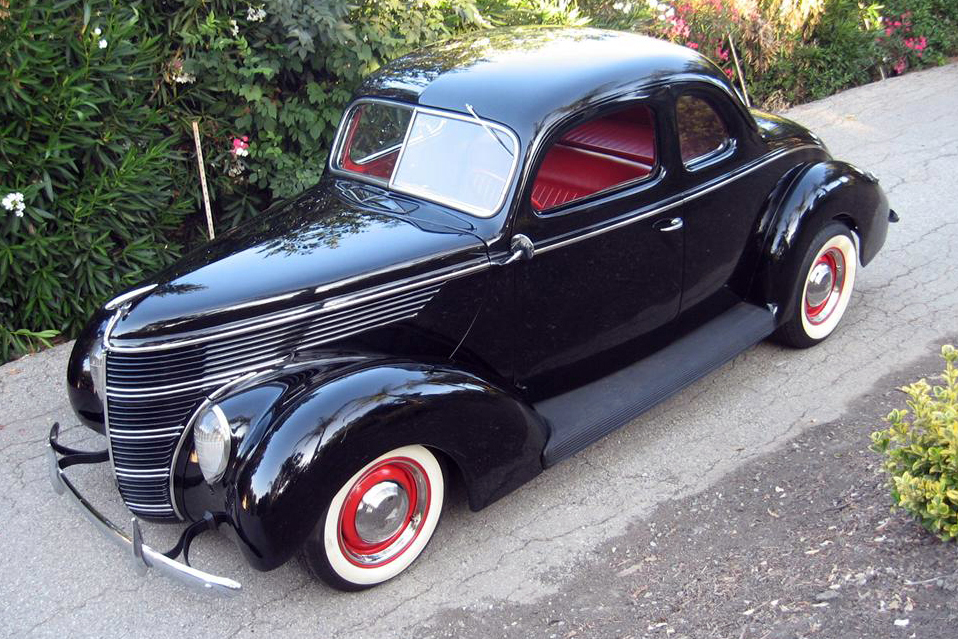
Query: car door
(722, 196)
(607, 268)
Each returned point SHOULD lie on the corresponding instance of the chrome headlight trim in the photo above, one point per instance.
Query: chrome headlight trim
(213, 442)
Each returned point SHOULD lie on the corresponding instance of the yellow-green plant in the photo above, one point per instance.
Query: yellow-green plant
(921, 451)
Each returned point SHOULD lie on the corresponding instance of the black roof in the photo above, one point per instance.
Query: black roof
(522, 76)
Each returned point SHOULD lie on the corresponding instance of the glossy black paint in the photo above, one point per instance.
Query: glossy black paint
(326, 235)
(817, 193)
(83, 398)
(604, 287)
(308, 430)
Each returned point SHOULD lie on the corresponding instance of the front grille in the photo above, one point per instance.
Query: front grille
(151, 393)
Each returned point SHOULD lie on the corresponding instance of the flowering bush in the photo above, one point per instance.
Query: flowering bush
(921, 451)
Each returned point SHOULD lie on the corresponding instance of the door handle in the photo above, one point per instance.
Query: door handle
(669, 225)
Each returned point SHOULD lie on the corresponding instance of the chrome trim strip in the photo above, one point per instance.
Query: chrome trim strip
(416, 110)
(207, 401)
(153, 507)
(173, 389)
(189, 576)
(309, 339)
(335, 303)
(141, 472)
(396, 267)
(616, 225)
(129, 296)
(362, 329)
(105, 347)
(371, 294)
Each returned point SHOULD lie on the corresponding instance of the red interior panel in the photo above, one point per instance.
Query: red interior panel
(596, 156)
(381, 167)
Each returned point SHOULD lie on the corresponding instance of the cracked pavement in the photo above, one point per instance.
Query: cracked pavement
(58, 577)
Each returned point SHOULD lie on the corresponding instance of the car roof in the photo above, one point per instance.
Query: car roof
(524, 77)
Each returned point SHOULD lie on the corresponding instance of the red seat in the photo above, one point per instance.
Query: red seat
(595, 156)
(570, 173)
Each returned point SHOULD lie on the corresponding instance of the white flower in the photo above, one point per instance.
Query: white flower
(241, 152)
(236, 169)
(97, 31)
(234, 28)
(102, 44)
(255, 14)
(14, 202)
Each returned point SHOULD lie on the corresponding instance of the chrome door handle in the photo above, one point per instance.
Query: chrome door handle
(670, 225)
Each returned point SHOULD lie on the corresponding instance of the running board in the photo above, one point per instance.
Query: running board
(588, 413)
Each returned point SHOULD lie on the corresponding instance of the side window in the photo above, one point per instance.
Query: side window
(701, 130)
(602, 153)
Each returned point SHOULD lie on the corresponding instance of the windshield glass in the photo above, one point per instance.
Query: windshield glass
(453, 159)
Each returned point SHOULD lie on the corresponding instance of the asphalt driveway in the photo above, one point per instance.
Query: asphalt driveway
(59, 578)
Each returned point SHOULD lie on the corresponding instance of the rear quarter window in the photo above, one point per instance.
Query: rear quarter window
(598, 155)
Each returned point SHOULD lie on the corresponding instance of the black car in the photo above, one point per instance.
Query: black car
(523, 239)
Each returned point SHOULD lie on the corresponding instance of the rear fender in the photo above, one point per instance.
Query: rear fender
(809, 198)
(313, 445)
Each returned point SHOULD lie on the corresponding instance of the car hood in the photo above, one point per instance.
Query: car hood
(336, 238)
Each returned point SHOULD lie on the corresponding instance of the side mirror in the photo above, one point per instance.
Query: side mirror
(522, 249)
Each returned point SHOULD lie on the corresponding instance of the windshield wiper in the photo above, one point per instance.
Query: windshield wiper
(488, 129)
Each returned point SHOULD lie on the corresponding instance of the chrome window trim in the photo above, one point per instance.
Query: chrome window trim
(745, 170)
(479, 212)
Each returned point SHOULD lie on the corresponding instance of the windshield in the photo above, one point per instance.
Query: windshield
(452, 159)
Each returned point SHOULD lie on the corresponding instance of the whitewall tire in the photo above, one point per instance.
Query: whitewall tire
(823, 287)
(379, 521)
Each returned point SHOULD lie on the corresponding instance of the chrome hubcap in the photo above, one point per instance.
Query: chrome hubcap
(823, 288)
(820, 282)
(381, 512)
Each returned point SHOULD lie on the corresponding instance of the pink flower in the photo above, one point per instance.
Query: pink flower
(889, 31)
(899, 66)
(241, 146)
(692, 45)
(721, 53)
(728, 73)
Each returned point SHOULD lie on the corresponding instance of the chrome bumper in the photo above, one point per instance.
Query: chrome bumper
(142, 556)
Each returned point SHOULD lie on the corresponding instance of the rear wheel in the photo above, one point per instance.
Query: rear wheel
(823, 287)
(379, 521)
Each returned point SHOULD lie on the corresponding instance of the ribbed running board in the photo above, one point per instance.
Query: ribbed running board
(590, 412)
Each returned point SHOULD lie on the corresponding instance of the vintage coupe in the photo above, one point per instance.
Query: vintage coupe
(523, 239)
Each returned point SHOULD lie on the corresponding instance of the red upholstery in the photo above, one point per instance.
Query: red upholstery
(568, 173)
(595, 156)
(380, 167)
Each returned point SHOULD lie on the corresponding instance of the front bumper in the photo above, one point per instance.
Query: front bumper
(142, 556)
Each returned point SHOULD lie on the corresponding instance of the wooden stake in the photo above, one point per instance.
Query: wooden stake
(199, 162)
(741, 78)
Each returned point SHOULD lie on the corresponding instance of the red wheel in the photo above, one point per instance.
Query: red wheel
(379, 521)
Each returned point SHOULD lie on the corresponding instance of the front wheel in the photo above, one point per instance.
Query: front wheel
(379, 521)
(823, 287)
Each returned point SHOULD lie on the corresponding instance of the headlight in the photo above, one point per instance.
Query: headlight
(213, 441)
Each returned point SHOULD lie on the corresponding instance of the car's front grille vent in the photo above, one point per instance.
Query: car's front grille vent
(152, 393)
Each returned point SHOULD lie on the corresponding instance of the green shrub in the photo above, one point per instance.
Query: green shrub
(88, 160)
(921, 451)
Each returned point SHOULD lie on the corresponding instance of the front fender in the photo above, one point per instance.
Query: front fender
(303, 453)
(816, 194)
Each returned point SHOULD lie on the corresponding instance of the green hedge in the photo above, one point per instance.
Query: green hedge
(98, 186)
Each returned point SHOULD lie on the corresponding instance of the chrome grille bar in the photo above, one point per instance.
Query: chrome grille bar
(152, 393)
